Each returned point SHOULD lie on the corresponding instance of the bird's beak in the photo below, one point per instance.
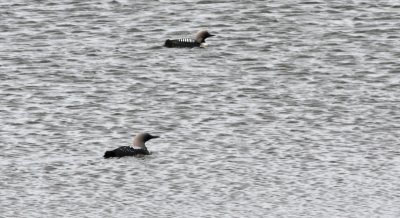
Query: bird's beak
(155, 136)
(211, 35)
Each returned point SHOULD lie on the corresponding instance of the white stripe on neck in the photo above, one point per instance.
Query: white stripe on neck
(136, 147)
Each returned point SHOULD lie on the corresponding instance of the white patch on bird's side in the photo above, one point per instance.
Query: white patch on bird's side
(203, 45)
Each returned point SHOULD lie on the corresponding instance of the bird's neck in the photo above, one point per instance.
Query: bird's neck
(138, 144)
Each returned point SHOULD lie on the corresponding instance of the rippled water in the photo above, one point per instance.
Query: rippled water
(292, 111)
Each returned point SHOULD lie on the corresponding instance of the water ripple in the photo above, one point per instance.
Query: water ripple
(292, 111)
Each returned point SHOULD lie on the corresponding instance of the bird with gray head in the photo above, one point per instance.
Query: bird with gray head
(198, 41)
(138, 147)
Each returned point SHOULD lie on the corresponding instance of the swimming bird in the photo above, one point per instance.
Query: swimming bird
(137, 148)
(198, 41)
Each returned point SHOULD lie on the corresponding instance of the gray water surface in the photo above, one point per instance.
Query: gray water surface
(292, 111)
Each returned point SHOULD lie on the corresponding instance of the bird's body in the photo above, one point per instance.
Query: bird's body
(138, 147)
(198, 41)
(126, 151)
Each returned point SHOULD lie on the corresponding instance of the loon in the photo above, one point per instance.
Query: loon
(198, 41)
(138, 147)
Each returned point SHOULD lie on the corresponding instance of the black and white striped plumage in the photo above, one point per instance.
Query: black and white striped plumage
(198, 41)
(181, 43)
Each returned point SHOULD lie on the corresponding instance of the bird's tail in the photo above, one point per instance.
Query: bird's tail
(109, 154)
(168, 43)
